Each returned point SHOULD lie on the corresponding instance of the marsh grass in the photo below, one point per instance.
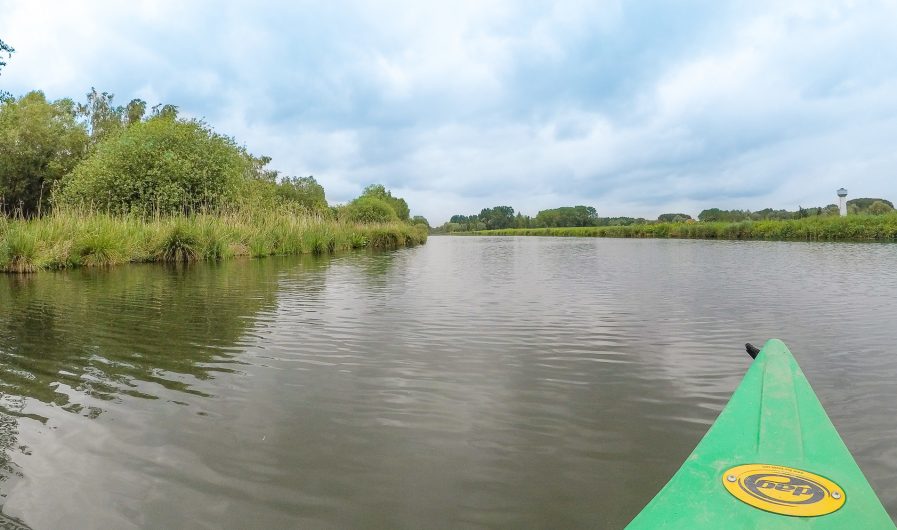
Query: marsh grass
(78, 238)
(851, 228)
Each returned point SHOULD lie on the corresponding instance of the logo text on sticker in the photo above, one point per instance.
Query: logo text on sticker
(784, 490)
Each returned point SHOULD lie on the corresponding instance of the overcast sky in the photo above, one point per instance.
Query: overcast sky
(634, 107)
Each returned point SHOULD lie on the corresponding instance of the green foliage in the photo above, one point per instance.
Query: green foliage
(567, 216)
(165, 111)
(497, 217)
(420, 220)
(161, 165)
(673, 217)
(812, 228)
(258, 169)
(303, 191)
(862, 204)
(101, 116)
(180, 243)
(7, 49)
(81, 238)
(854, 207)
(19, 250)
(715, 214)
(135, 111)
(370, 209)
(40, 141)
(557, 217)
(463, 223)
(399, 206)
(880, 208)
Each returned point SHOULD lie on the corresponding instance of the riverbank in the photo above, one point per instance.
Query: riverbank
(75, 239)
(816, 228)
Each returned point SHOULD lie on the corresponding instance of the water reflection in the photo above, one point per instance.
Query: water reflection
(476, 382)
(121, 332)
(77, 341)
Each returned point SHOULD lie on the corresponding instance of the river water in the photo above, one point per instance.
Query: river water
(467, 383)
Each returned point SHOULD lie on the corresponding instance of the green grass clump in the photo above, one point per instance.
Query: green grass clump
(180, 243)
(78, 238)
(816, 228)
(19, 250)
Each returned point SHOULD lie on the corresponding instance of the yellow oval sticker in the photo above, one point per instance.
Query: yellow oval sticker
(784, 490)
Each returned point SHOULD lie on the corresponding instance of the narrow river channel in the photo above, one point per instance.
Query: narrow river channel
(466, 383)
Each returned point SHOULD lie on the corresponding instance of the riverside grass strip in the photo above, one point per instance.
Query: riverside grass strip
(69, 239)
(850, 228)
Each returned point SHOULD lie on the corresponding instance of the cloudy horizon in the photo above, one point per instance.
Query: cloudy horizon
(636, 108)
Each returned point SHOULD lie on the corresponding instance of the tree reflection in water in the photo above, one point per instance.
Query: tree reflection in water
(73, 340)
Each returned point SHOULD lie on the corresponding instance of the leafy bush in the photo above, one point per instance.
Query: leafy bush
(370, 210)
(880, 208)
(162, 165)
(398, 205)
(304, 191)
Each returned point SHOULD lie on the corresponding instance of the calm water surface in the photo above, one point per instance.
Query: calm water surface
(468, 383)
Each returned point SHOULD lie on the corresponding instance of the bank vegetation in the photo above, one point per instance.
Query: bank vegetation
(858, 227)
(95, 184)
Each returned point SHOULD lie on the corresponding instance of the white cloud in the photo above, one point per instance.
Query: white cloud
(465, 105)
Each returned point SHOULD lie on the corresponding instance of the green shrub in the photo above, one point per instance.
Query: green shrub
(161, 165)
(370, 210)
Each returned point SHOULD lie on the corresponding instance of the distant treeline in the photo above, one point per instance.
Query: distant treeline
(870, 206)
(503, 217)
(812, 228)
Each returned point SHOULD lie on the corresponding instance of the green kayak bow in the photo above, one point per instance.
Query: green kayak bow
(772, 460)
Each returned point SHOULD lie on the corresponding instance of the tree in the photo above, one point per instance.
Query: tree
(165, 111)
(673, 217)
(7, 49)
(567, 216)
(304, 191)
(40, 141)
(420, 220)
(497, 217)
(715, 214)
(258, 168)
(102, 117)
(398, 204)
(862, 205)
(160, 165)
(880, 208)
(135, 111)
(769, 213)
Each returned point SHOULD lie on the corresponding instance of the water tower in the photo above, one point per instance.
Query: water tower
(842, 202)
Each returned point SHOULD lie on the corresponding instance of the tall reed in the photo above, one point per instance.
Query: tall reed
(81, 238)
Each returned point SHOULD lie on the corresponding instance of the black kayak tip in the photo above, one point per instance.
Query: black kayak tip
(752, 350)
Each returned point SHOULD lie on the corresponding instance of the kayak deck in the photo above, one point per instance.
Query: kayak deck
(802, 474)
